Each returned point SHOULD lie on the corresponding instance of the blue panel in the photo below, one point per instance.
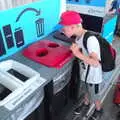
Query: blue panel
(108, 29)
(99, 3)
(30, 22)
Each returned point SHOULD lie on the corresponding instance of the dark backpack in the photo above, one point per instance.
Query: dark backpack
(107, 52)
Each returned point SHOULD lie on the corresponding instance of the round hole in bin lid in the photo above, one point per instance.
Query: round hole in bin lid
(53, 45)
(42, 52)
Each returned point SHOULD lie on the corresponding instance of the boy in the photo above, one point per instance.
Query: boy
(72, 25)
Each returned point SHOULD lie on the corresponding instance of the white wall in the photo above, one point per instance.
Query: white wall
(63, 6)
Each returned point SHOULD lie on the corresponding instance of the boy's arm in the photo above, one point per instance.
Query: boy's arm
(92, 59)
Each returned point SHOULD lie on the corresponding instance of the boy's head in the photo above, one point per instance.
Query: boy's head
(70, 20)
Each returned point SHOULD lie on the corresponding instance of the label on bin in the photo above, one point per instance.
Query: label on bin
(21, 97)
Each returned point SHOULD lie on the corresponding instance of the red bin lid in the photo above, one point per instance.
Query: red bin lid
(48, 53)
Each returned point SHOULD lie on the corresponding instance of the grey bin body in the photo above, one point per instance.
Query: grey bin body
(57, 92)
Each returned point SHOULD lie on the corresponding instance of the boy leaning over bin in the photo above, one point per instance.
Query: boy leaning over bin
(72, 25)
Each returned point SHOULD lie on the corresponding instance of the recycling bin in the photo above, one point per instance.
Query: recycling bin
(21, 92)
(55, 56)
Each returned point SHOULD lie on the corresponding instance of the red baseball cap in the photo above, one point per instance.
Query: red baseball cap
(70, 17)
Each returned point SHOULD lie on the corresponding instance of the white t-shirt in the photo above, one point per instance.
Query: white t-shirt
(95, 73)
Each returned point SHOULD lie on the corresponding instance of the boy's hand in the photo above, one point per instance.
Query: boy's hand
(75, 49)
(91, 59)
(92, 62)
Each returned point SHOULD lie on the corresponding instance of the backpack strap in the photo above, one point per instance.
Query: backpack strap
(88, 69)
(85, 38)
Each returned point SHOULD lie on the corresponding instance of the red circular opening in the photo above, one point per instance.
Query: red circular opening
(53, 45)
(42, 52)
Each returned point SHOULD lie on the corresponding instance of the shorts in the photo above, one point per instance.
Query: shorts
(96, 91)
(93, 91)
